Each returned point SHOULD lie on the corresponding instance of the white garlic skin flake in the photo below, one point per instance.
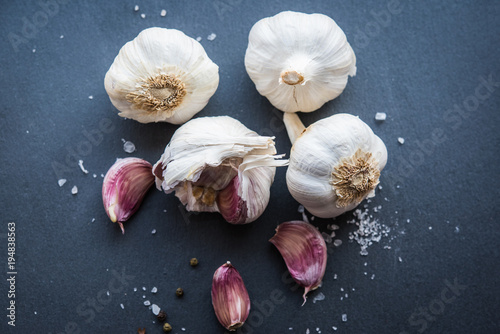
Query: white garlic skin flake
(161, 76)
(216, 164)
(299, 61)
(335, 164)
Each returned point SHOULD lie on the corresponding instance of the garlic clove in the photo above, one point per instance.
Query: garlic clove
(304, 251)
(161, 76)
(299, 61)
(124, 188)
(230, 297)
(216, 164)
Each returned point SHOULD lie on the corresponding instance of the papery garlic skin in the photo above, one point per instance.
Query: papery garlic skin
(335, 164)
(230, 297)
(161, 76)
(299, 61)
(216, 164)
(124, 187)
(304, 251)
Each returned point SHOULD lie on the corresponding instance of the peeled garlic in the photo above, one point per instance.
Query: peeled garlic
(161, 76)
(299, 61)
(216, 164)
(124, 187)
(230, 297)
(304, 251)
(334, 164)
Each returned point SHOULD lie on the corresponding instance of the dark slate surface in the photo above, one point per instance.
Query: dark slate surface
(424, 64)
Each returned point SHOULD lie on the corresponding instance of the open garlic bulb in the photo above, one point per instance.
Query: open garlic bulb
(299, 61)
(216, 164)
(334, 164)
(161, 76)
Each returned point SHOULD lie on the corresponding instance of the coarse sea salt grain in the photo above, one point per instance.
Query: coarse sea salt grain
(401, 140)
(61, 37)
(61, 182)
(153, 231)
(122, 306)
(163, 12)
(136, 8)
(320, 296)
(380, 116)
(344, 317)
(154, 289)
(147, 303)
(128, 146)
(155, 308)
(143, 15)
(369, 230)
(74, 190)
(91, 97)
(80, 163)
(337, 242)
(211, 37)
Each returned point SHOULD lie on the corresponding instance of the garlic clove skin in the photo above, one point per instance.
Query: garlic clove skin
(124, 187)
(304, 251)
(161, 76)
(299, 61)
(216, 164)
(334, 165)
(230, 297)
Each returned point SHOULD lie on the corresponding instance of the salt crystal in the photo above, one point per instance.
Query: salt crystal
(34, 50)
(147, 303)
(198, 39)
(94, 175)
(407, 220)
(91, 97)
(337, 242)
(320, 296)
(143, 296)
(135, 289)
(335, 227)
(156, 309)
(365, 264)
(27, 131)
(312, 218)
(165, 210)
(300, 209)
(61, 182)
(35, 312)
(380, 116)
(211, 37)
(74, 190)
(346, 295)
(341, 289)
(317, 330)
(93, 220)
(401, 140)
(380, 187)
(332, 235)
(163, 12)
(154, 289)
(308, 331)
(327, 237)
(122, 306)
(430, 227)
(80, 163)
(153, 231)
(183, 329)
(344, 317)
(107, 292)
(61, 37)
(128, 147)
(334, 276)
(457, 229)
(334, 328)
(136, 8)
(102, 175)
(143, 15)
(373, 276)
(290, 328)
(144, 288)
(365, 273)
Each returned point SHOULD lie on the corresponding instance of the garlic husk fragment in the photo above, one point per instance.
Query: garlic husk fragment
(161, 76)
(216, 164)
(124, 187)
(230, 297)
(334, 164)
(304, 251)
(299, 61)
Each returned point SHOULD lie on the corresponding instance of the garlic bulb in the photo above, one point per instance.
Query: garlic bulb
(216, 164)
(334, 164)
(161, 76)
(299, 61)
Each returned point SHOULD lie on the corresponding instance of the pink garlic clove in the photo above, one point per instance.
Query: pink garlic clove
(230, 297)
(124, 188)
(230, 204)
(304, 251)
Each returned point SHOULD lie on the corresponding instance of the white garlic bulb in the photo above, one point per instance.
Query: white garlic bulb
(216, 164)
(334, 164)
(299, 61)
(161, 76)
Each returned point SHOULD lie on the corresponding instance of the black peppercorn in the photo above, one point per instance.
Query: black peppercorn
(162, 316)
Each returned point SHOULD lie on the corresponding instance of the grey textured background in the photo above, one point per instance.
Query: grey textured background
(423, 64)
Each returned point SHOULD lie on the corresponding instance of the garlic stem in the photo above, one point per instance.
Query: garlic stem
(294, 125)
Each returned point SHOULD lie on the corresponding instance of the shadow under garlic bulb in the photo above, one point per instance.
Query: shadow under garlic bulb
(334, 164)
(161, 76)
(299, 61)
